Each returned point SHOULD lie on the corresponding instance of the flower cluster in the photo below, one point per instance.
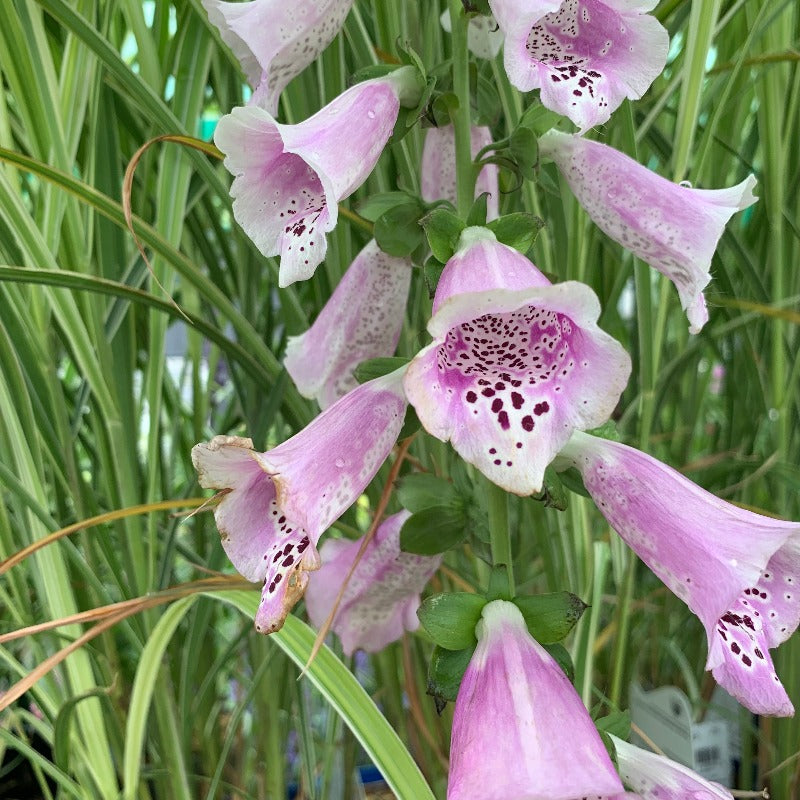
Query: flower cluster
(516, 372)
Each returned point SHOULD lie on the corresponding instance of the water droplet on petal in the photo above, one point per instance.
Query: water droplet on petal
(686, 184)
(371, 114)
(339, 462)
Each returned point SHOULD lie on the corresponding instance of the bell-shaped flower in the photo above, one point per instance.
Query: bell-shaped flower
(520, 730)
(586, 56)
(673, 228)
(738, 571)
(655, 777)
(288, 179)
(274, 40)
(484, 37)
(382, 595)
(361, 320)
(438, 170)
(516, 363)
(276, 505)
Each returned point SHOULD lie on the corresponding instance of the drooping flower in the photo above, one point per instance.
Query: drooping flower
(382, 595)
(738, 571)
(520, 731)
(673, 228)
(288, 179)
(586, 56)
(484, 38)
(438, 170)
(274, 40)
(516, 363)
(277, 504)
(655, 777)
(361, 320)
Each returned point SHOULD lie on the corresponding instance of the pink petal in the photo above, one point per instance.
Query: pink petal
(513, 371)
(586, 56)
(777, 594)
(520, 731)
(362, 319)
(673, 228)
(274, 40)
(438, 170)
(382, 596)
(288, 179)
(655, 777)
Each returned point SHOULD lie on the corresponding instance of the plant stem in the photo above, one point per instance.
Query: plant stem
(499, 531)
(465, 173)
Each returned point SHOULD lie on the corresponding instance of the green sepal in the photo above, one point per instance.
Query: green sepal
(441, 111)
(539, 119)
(518, 230)
(397, 230)
(617, 723)
(431, 272)
(371, 72)
(411, 423)
(378, 367)
(378, 204)
(477, 214)
(498, 588)
(443, 229)
(445, 673)
(572, 480)
(419, 491)
(552, 494)
(450, 618)
(524, 148)
(562, 658)
(433, 530)
(550, 617)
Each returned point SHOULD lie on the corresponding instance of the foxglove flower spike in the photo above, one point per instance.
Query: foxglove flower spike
(383, 594)
(673, 228)
(279, 503)
(739, 572)
(516, 363)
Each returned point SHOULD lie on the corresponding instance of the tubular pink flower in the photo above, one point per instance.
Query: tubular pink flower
(277, 504)
(516, 363)
(673, 228)
(361, 320)
(655, 777)
(438, 170)
(382, 596)
(739, 572)
(520, 731)
(586, 56)
(484, 38)
(274, 40)
(288, 179)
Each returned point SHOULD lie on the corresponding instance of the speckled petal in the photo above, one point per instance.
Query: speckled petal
(718, 558)
(382, 596)
(321, 471)
(288, 179)
(520, 730)
(655, 777)
(512, 371)
(275, 40)
(673, 228)
(484, 37)
(361, 320)
(586, 56)
(438, 170)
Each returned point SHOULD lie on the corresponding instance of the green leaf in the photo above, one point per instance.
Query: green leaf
(550, 617)
(61, 730)
(443, 229)
(443, 108)
(539, 119)
(524, 148)
(432, 271)
(445, 672)
(517, 230)
(450, 618)
(411, 423)
(433, 530)
(378, 367)
(419, 491)
(617, 723)
(562, 658)
(378, 204)
(552, 494)
(397, 231)
(572, 480)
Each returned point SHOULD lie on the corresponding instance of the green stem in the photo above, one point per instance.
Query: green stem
(500, 532)
(465, 174)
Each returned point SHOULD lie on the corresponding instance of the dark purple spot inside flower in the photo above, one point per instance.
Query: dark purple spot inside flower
(471, 397)
(517, 400)
(497, 404)
(541, 408)
(527, 423)
(502, 418)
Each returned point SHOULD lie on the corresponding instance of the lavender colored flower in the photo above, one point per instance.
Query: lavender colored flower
(362, 319)
(383, 593)
(288, 179)
(738, 571)
(274, 40)
(277, 504)
(438, 170)
(586, 56)
(520, 731)
(673, 228)
(655, 777)
(516, 363)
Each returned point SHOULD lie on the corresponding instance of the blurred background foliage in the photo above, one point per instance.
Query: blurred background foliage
(105, 387)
